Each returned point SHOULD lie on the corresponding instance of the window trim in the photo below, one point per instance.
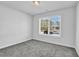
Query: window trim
(44, 18)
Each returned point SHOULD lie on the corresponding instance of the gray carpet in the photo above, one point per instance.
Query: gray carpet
(34, 48)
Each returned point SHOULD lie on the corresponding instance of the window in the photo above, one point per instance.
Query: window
(50, 26)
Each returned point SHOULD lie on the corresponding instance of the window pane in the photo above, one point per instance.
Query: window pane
(50, 26)
(44, 26)
(55, 25)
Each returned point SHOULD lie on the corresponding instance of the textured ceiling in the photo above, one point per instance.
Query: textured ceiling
(45, 6)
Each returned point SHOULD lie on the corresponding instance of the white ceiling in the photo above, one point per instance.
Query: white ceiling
(45, 6)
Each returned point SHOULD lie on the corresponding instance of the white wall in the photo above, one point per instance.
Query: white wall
(67, 27)
(15, 27)
(77, 29)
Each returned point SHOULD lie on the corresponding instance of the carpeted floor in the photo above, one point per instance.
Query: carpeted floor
(34, 48)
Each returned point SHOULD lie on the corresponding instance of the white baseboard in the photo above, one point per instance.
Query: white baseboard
(77, 51)
(23, 40)
(13, 43)
(56, 43)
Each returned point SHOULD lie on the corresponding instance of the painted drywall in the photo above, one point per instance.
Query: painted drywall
(77, 29)
(15, 26)
(67, 27)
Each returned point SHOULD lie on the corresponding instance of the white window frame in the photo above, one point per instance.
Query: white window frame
(44, 18)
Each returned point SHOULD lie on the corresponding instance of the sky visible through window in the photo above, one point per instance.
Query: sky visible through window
(55, 19)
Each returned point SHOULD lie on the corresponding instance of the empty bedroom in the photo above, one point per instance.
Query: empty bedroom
(39, 28)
